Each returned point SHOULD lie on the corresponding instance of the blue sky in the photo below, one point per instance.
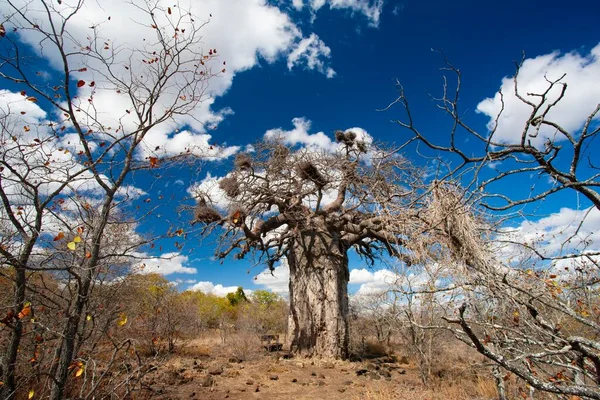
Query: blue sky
(334, 63)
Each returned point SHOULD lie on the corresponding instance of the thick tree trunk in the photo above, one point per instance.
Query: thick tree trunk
(318, 322)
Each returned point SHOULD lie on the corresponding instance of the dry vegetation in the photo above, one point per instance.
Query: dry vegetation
(80, 318)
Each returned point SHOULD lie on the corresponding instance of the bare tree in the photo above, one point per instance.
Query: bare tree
(311, 206)
(520, 308)
(65, 162)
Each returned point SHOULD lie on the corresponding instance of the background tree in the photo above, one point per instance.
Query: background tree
(65, 160)
(530, 301)
(311, 206)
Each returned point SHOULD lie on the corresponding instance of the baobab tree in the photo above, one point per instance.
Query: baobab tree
(310, 206)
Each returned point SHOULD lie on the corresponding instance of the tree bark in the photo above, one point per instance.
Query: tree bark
(318, 321)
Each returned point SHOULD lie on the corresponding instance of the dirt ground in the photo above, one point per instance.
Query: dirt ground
(193, 375)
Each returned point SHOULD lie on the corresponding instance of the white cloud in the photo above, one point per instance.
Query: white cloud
(298, 4)
(373, 283)
(581, 97)
(208, 188)
(166, 264)
(160, 143)
(568, 231)
(242, 32)
(369, 8)
(217, 290)
(361, 276)
(310, 53)
(276, 281)
(300, 135)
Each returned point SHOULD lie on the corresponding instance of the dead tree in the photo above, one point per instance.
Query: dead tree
(529, 307)
(65, 161)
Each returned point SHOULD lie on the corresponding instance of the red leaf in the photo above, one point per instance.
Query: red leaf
(82, 69)
(80, 83)
(92, 84)
(169, 10)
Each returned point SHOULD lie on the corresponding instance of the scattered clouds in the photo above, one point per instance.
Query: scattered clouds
(161, 143)
(582, 71)
(243, 34)
(300, 135)
(166, 264)
(567, 231)
(209, 189)
(373, 283)
(371, 9)
(310, 53)
(217, 290)
(298, 4)
(276, 281)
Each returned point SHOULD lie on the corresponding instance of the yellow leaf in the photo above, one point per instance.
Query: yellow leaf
(31, 393)
(122, 319)
(71, 245)
(88, 317)
(79, 371)
(77, 239)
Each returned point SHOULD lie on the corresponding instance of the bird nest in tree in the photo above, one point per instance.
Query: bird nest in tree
(206, 214)
(230, 186)
(243, 162)
(307, 170)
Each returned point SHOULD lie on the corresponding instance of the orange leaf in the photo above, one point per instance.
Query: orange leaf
(26, 128)
(32, 99)
(153, 162)
(59, 236)
(80, 83)
(25, 311)
(79, 371)
(88, 255)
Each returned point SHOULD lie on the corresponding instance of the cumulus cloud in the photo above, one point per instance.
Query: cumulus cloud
(242, 32)
(300, 135)
(217, 290)
(166, 264)
(568, 231)
(310, 53)
(373, 283)
(208, 188)
(583, 92)
(369, 8)
(276, 281)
